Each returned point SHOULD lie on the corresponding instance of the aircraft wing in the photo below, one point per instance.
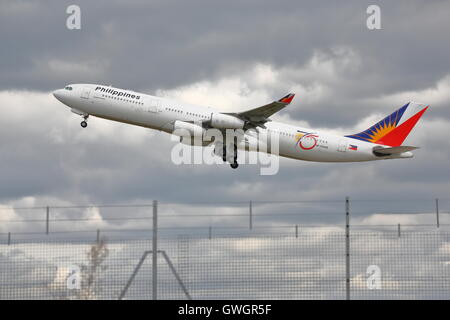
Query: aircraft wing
(260, 115)
(394, 150)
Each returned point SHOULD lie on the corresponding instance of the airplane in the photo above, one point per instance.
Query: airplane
(381, 141)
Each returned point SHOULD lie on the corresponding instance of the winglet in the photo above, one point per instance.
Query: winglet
(287, 99)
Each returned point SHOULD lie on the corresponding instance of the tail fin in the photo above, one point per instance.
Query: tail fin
(393, 129)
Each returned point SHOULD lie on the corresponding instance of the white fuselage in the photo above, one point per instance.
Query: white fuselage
(160, 114)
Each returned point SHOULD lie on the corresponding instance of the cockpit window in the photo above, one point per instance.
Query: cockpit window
(68, 88)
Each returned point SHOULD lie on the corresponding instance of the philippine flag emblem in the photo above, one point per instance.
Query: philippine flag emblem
(353, 147)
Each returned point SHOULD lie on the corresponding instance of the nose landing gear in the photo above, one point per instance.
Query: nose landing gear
(84, 122)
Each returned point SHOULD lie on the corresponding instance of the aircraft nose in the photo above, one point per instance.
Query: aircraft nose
(58, 94)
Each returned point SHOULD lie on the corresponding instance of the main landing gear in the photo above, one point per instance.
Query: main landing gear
(84, 122)
(233, 164)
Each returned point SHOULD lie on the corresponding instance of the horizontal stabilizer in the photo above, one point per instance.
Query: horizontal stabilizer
(393, 150)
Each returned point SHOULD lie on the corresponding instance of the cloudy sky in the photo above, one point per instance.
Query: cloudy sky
(231, 55)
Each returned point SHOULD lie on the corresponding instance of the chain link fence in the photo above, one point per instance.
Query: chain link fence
(307, 264)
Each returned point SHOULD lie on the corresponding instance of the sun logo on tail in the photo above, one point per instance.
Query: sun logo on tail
(393, 129)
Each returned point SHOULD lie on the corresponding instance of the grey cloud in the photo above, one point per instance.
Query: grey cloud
(164, 44)
(170, 46)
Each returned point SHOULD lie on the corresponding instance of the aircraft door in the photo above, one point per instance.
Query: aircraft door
(85, 92)
(154, 105)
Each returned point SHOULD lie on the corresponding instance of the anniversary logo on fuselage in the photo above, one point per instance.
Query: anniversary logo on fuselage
(305, 140)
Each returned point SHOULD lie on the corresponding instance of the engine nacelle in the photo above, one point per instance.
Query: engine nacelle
(194, 141)
(187, 129)
(191, 134)
(226, 121)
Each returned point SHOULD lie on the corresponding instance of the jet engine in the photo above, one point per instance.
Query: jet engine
(194, 141)
(226, 121)
(191, 134)
(182, 129)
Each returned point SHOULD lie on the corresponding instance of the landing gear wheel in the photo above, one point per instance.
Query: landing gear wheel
(224, 153)
(234, 165)
(84, 124)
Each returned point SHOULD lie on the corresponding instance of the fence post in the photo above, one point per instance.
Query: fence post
(155, 251)
(250, 211)
(9, 238)
(98, 236)
(347, 248)
(437, 212)
(399, 230)
(296, 231)
(47, 220)
(210, 233)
